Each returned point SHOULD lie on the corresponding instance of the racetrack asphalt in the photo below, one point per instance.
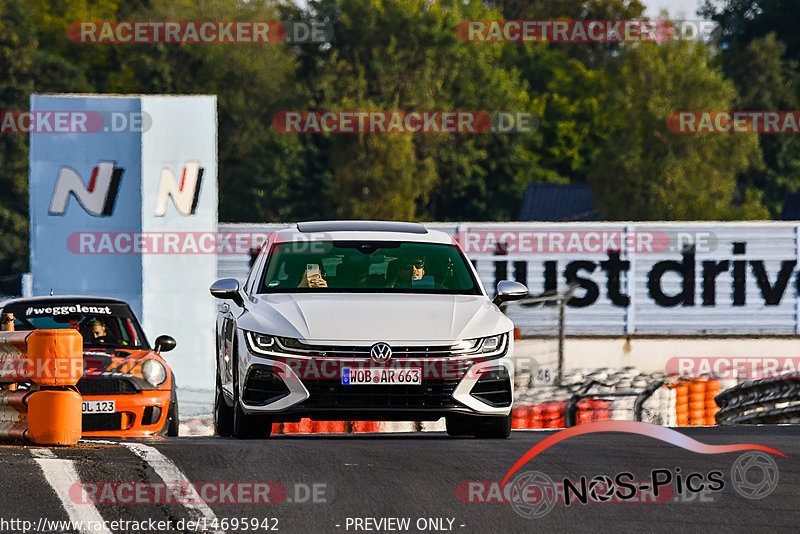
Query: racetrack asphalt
(360, 481)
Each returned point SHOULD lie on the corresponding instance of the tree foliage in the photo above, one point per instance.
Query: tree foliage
(760, 52)
(601, 109)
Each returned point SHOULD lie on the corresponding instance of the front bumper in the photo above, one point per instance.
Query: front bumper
(290, 387)
(138, 415)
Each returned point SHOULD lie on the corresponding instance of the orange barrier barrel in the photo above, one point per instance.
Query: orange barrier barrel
(697, 402)
(681, 403)
(54, 417)
(713, 389)
(51, 359)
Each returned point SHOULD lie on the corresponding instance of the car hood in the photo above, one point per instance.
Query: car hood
(369, 317)
(115, 362)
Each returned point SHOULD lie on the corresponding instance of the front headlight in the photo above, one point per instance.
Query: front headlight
(481, 345)
(259, 343)
(154, 372)
(491, 344)
(466, 345)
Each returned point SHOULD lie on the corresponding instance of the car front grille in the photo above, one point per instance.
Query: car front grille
(332, 394)
(102, 421)
(106, 386)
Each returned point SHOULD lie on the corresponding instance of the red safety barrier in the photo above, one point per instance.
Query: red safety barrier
(519, 417)
(51, 359)
(307, 426)
(366, 426)
(549, 415)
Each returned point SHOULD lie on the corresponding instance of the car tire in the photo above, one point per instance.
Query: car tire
(493, 427)
(223, 414)
(173, 422)
(246, 426)
(250, 426)
(458, 425)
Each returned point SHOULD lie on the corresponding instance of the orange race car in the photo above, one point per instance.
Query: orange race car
(128, 389)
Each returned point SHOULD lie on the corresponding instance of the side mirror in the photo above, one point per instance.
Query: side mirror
(165, 343)
(508, 290)
(227, 288)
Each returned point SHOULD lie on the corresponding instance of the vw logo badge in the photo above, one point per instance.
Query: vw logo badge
(380, 353)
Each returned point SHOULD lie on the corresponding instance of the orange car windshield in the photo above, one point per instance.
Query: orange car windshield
(111, 325)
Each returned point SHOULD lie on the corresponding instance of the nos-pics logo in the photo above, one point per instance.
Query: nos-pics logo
(99, 197)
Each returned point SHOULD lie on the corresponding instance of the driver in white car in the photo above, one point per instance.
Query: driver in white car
(409, 271)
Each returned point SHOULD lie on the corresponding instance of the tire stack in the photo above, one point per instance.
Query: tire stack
(763, 401)
(695, 403)
(526, 417)
(591, 410)
(543, 406)
(553, 415)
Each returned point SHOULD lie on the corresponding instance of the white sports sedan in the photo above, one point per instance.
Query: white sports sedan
(363, 320)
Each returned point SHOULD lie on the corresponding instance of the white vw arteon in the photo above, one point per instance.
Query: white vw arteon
(363, 320)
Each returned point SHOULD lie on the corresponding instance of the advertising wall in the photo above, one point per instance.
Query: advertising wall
(79, 183)
(670, 279)
(648, 279)
(110, 191)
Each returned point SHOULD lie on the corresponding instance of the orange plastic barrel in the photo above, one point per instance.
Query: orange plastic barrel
(54, 417)
(55, 357)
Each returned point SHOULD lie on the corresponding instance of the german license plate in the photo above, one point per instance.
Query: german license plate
(99, 406)
(354, 377)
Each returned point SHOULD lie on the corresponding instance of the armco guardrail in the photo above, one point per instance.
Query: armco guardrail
(48, 412)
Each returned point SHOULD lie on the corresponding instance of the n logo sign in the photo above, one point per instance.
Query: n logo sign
(184, 197)
(98, 199)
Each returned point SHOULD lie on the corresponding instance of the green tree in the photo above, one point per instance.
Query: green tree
(405, 55)
(17, 51)
(644, 171)
(760, 52)
(258, 167)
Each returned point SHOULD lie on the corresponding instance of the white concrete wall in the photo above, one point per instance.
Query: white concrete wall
(651, 354)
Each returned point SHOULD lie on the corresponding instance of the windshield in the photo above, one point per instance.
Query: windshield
(367, 266)
(101, 324)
